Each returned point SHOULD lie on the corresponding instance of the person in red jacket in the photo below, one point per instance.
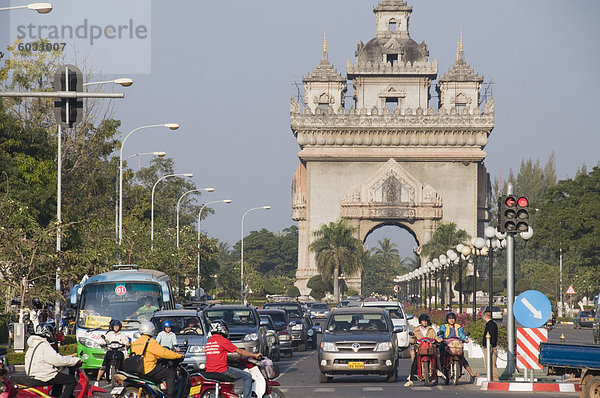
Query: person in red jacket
(217, 348)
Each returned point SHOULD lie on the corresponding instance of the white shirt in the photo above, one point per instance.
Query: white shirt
(119, 337)
(167, 340)
(42, 362)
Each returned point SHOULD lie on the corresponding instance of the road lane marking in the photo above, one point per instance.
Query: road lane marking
(372, 388)
(324, 389)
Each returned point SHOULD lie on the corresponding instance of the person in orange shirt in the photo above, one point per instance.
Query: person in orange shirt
(154, 351)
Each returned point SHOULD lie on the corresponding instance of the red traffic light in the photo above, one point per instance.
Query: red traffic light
(523, 202)
(510, 201)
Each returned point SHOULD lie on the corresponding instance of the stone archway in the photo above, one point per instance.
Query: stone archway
(391, 196)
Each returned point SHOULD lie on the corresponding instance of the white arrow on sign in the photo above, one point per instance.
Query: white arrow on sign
(536, 313)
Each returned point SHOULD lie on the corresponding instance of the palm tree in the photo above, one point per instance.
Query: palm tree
(445, 237)
(407, 264)
(336, 251)
(387, 250)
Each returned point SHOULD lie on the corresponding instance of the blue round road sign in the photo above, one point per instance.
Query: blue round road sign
(532, 309)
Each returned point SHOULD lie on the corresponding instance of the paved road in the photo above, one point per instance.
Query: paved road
(299, 378)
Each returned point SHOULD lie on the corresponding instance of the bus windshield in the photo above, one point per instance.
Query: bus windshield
(129, 302)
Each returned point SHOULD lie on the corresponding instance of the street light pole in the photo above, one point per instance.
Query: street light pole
(172, 126)
(152, 205)
(41, 8)
(242, 251)
(179, 202)
(198, 227)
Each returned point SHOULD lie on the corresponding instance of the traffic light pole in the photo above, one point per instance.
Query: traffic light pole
(510, 299)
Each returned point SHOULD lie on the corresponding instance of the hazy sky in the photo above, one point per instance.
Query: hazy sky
(225, 71)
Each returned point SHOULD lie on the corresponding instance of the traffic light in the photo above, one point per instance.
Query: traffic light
(522, 213)
(513, 213)
(68, 111)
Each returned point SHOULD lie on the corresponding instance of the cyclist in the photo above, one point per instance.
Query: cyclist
(166, 338)
(217, 348)
(114, 334)
(453, 330)
(154, 351)
(42, 362)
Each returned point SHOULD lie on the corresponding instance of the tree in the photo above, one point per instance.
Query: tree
(336, 251)
(445, 237)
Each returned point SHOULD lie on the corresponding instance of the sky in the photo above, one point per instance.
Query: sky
(225, 71)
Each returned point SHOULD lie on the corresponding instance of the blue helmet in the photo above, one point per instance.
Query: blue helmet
(115, 322)
(167, 324)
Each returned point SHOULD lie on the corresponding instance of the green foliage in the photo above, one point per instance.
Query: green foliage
(336, 251)
(522, 285)
(292, 291)
(319, 287)
(445, 237)
(378, 275)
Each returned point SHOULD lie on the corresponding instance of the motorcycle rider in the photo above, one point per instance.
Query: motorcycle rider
(453, 330)
(114, 334)
(166, 338)
(424, 330)
(217, 348)
(154, 351)
(42, 362)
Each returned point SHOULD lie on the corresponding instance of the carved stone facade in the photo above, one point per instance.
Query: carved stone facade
(374, 164)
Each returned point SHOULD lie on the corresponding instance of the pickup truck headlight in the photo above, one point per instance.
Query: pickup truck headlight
(328, 346)
(251, 337)
(384, 346)
(91, 343)
(297, 327)
(284, 337)
(195, 349)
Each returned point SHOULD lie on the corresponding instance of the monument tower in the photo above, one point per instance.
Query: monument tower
(390, 158)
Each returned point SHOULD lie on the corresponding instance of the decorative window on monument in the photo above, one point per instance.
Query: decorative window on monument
(323, 106)
(460, 107)
(391, 103)
(391, 58)
(392, 25)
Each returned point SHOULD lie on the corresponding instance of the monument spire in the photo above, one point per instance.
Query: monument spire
(325, 56)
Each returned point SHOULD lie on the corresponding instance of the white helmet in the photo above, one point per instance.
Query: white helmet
(219, 327)
(147, 328)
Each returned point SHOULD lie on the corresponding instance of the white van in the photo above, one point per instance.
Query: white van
(398, 316)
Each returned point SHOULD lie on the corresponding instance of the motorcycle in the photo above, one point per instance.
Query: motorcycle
(217, 385)
(115, 356)
(453, 359)
(426, 361)
(25, 387)
(137, 385)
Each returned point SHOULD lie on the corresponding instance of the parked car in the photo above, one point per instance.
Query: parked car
(358, 340)
(191, 331)
(244, 326)
(584, 319)
(496, 312)
(281, 321)
(272, 337)
(399, 319)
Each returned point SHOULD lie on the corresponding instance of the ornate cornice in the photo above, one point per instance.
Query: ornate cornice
(460, 72)
(324, 72)
(386, 68)
(380, 128)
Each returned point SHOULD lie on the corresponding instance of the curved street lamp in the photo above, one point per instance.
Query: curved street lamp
(172, 126)
(179, 202)
(41, 8)
(242, 251)
(123, 81)
(152, 205)
(198, 227)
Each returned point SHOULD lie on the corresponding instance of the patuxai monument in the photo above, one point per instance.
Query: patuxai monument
(391, 157)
